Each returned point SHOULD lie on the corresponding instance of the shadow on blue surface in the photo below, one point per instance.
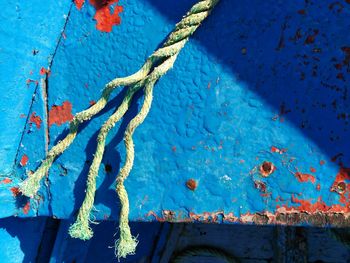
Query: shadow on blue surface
(292, 56)
(46, 240)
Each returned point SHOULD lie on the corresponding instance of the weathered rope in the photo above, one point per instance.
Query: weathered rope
(191, 252)
(31, 185)
(156, 66)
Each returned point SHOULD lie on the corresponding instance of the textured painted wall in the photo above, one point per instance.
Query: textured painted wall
(261, 89)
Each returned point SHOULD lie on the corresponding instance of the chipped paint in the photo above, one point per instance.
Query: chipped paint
(60, 114)
(107, 13)
(6, 181)
(303, 177)
(24, 160)
(26, 208)
(35, 119)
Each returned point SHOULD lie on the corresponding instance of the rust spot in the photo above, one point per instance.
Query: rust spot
(322, 162)
(60, 114)
(311, 38)
(340, 76)
(260, 186)
(191, 184)
(341, 187)
(36, 120)
(6, 181)
(335, 157)
(24, 160)
(302, 12)
(266, 168)
(305, 177)
(26, 208)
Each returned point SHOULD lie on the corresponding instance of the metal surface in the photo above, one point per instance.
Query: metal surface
(255, 112)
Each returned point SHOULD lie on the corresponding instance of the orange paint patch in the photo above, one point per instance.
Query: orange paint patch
(305, 177)
(319, 206)
(24, 160)
(79, 3)
(26, 208)
(6, 181)
(36, 120)
(104, 16)
(60, 114)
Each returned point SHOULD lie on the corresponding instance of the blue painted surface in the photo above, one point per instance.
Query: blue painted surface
(249, 79)
(20, 239)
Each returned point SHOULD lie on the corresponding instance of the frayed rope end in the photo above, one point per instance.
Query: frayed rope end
(125, 246)
(81, 231)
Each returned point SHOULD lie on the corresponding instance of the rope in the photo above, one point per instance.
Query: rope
(31, 185)
(155, 67)
(190, 252)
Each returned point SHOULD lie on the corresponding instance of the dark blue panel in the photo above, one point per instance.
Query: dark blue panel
(20, 239)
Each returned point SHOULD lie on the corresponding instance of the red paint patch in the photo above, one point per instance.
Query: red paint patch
(24, 160)
(44, 71)
(319, 206)
(318, 187)
(322, 162)
(35, 119)
(60, 114)
(274, 149)
(6, 181)
(305, 177)
(92, 102)
(15, 191)
(312, 169)
(104, 17)
(79, 3)
(26, 208)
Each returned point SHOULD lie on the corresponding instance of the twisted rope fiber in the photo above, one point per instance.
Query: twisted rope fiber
(81, 229)
(31, 185)
(160, 61)
(189, 253)
(175, 42)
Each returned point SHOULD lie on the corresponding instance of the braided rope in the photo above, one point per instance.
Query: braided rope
(188, 253)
